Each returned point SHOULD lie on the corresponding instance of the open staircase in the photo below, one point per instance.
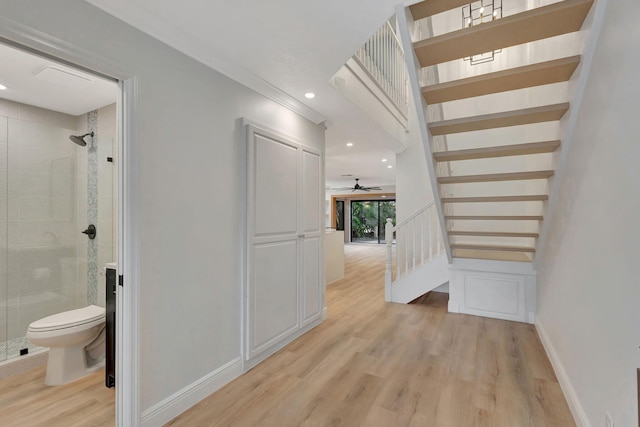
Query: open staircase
(502, 122)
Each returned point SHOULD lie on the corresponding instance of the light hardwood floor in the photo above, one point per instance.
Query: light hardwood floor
(373, 364)
(25, 401)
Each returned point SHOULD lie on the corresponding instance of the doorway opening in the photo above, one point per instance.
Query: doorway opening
(59, 189)
(368, 219)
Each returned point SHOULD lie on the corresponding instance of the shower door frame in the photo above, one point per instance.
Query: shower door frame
(127, 321)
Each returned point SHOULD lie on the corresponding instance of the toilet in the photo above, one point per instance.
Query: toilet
(76, 343)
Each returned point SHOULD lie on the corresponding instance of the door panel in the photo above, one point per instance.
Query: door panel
(275, 187)
(311, 191)
(273, 293)
(284, 278)
(312, 289)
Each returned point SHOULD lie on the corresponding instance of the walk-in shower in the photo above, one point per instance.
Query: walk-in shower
(50, 191)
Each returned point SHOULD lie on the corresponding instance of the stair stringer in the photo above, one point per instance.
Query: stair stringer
(404, 18)
(420, 281)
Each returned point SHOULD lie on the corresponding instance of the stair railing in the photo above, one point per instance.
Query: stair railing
(383, 59)
(418, 242)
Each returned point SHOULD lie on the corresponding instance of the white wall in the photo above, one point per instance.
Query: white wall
(588, 300)
(189, 159)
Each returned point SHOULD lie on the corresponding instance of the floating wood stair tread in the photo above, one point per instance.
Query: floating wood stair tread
(547, 21)
(493, 248)
(433, 7)
(512, 176)
(525, 116)
(543, 73)
(492, 255)
(493, 218)
(534, 198)
(491, 234)
(501, 151)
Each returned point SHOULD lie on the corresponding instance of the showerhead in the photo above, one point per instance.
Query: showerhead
(79, 139)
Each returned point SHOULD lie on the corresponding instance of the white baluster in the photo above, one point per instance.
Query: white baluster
(388, 237)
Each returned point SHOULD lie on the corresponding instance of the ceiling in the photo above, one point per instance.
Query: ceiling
(289, 46)
(36, 81)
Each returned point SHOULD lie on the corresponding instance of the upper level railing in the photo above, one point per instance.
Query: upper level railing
(383, 58)
(418, 242)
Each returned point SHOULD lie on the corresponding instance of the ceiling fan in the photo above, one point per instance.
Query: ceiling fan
(358, 187)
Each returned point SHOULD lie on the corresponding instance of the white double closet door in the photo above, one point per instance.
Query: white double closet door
(284, 286)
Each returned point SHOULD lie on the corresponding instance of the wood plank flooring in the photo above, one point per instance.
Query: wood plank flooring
(25, 401)
(373, 364)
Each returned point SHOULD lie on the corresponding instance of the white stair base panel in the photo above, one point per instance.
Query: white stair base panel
(420, 281)
(497, 289)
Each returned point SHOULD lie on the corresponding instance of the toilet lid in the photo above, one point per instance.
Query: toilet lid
(68, 319)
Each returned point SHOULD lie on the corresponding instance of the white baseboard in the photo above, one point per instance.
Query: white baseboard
(579, 416)
(324, 313)
(179, 402)
(454, 307)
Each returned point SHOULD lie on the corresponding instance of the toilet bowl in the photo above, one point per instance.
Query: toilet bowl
(76, 342)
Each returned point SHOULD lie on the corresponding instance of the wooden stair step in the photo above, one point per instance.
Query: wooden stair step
(492, 255)
(433, 7)
(493, 248)
(543, 22)
(494, 217)
(491, 234)
(501, 151)
(534, 198)
(511, 176)
(525, 116)
(559, 70)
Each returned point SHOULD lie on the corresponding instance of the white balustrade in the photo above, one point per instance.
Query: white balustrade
(383, 58)
(418, 242)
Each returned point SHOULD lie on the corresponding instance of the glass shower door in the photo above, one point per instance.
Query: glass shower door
(42, 228)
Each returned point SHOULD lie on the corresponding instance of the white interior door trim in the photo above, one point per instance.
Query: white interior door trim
(127, 345)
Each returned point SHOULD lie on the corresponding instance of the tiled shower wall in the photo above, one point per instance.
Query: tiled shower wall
(38, 198)
(97, 182)
(44, 190)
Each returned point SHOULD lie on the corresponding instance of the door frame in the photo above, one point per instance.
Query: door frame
(127, 343)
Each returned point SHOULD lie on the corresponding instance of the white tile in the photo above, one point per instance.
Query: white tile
(4, 155)
(31, 184)
(13, 157)
(13, 182)
(3, 130)
(105, 233)
(105, 209)
(105, 186)
(13, 210)
(13, 237)
(4, 209)
(28, 113)
(63, 185)
(64, 165)
(35, 208)
(63, 208)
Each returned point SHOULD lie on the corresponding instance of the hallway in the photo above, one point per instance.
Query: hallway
(373, 363)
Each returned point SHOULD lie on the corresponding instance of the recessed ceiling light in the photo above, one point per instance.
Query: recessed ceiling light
(389, 167)
(384, 160)
(384, 197)
(3, 87)
(309, 95)
(349, 144)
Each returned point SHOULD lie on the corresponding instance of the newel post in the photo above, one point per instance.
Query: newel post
(388, 238)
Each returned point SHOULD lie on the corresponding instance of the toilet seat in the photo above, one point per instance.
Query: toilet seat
(86, 316)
